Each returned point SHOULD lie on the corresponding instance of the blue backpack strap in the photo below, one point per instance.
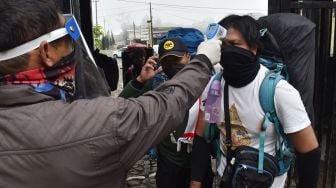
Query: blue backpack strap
(210, 132)
(262, 135)
(266, 97)
(267, 91)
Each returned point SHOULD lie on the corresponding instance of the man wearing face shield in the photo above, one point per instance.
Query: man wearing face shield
(242, 78)
(58, 127)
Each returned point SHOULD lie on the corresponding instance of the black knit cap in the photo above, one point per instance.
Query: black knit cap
(172, 46)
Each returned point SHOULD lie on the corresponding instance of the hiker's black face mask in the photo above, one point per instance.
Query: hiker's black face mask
(240, 66)
(170, 68)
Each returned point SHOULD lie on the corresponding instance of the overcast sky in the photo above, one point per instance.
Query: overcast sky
(114, 13)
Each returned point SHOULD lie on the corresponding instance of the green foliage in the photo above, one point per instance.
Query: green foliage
(111, 38)
(98, 34)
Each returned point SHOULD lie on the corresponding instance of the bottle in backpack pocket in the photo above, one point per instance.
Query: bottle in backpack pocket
(212, 104)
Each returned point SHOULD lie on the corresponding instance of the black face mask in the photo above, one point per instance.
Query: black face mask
(170, 69)
(240, 66)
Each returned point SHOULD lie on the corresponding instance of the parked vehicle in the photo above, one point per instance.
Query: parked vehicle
(117, 53)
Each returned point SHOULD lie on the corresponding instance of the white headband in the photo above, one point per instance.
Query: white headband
(31, 45)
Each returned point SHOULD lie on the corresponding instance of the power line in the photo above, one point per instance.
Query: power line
(207, 8)
(125, 12)
(116, 8)
(190, 12)
(188, 6)
(185, 18)
(134, 2)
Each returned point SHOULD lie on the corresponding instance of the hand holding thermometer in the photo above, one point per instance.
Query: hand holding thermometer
(215, 31)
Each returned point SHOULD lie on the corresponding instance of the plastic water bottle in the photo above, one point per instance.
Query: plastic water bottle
(212, 104)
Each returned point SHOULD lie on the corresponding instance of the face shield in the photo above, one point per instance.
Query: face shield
(88, 80)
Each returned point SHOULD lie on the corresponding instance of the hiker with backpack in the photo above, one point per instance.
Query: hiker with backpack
(259, 116)
(174, 151)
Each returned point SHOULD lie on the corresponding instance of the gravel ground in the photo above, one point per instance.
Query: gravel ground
(142, 174)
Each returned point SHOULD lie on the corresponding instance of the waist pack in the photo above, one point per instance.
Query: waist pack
(242, 171)
(246, 166)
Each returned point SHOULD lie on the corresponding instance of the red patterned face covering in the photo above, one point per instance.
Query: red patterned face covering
(61, 75)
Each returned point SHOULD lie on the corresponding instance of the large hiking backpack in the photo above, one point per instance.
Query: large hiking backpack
(288, 53)
(291, 38)
(191, 38)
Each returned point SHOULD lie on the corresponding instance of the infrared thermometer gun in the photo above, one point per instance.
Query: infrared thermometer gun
(215, 31)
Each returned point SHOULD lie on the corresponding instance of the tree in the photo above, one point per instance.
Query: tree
(112, 41)
(105, 42)
(98, 34)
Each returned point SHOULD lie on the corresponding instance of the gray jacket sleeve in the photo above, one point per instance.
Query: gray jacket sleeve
(146, 120)
(119, 131)
(90, 143)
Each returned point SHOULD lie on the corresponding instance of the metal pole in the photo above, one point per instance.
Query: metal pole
(104, 25)
(133, 31)
(96, 13)
(151, 24)
(96, 1)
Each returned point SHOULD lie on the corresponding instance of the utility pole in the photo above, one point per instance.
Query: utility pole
(104, 25)
(151, 24)
(133, 31)
(96, 1)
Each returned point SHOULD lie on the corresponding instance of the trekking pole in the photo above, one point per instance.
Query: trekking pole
(147, 171)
